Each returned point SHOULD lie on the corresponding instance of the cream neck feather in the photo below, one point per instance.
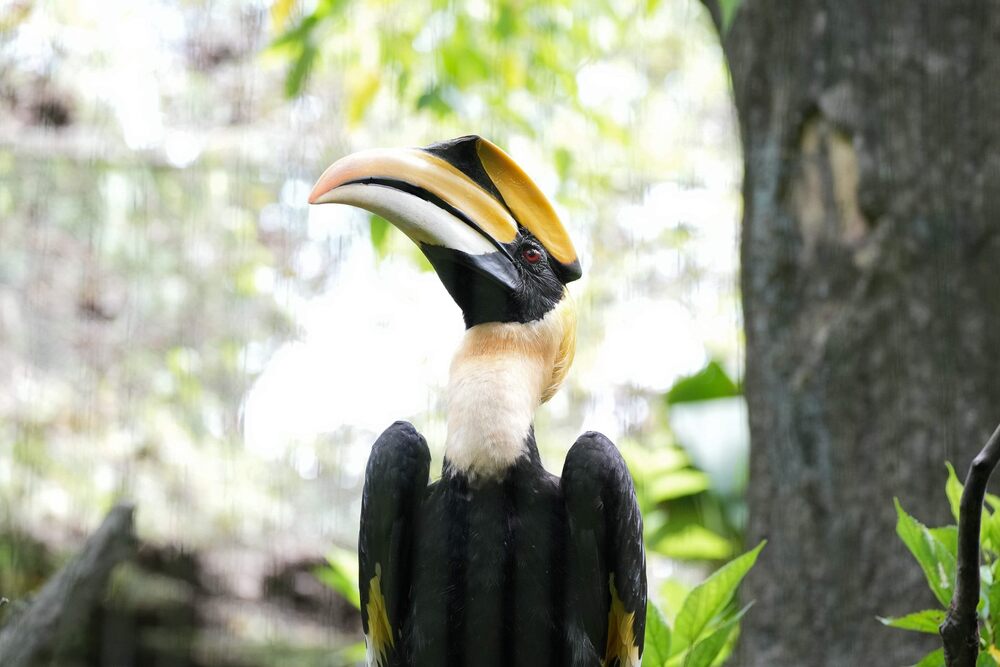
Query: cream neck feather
(501, 373)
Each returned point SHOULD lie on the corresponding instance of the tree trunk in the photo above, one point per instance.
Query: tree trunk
(871, 291)
(64, 605)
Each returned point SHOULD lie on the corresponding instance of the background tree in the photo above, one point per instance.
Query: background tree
(871, 299)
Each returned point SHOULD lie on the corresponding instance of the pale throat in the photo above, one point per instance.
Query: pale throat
(500, 375)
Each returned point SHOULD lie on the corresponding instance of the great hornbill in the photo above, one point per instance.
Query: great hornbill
(498, 562)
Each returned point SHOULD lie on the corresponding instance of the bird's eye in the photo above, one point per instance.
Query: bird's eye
(531, 255)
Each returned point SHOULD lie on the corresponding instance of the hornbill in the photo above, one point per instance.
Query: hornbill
(498, 562)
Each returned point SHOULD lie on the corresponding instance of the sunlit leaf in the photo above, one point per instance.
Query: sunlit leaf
(708, 383)
(709, 598)
(990, 536)
(922, 621)
(669, 485)
(657, 648)
(953, 489)
(932, 659)
(934, 558)
(673, 592)
(990, 527)
(693, 542)
(946, 536)
(704, 653)
(993, 501)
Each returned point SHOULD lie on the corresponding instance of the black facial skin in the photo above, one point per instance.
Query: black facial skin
(498, 287)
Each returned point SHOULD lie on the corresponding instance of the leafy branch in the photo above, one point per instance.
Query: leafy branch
(706, 622)
(968, 591)
(960, 630)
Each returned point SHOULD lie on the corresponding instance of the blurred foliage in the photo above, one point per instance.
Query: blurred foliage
(446, 59)
(341, 574)
(728, 9)
(709, 383)
(935, 550)
(506, 68)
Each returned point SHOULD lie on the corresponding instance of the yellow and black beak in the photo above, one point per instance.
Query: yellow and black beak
(472, 211)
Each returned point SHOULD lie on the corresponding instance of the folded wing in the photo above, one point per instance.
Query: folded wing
(607, 562)
(395, 481)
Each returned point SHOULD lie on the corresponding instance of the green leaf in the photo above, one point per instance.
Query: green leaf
(673, 592)
(922, 621)
(708, 383)
(297, 36)
(341, 574)
(379, 231)
(299, 72)
(657, 637)
(990, 536)
(705, 651)
(433, 99)
(985, 660)
(947, 536)
(728, 8)
(352, 654)
(990, 528)
(563, 159)
(673, 484)
(993, 501)
(709, 598)
(934, 558)
(693, 542)
(989, 614)
(953, 489)
(932, 659)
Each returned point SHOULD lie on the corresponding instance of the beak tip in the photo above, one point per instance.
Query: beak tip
(318, 191)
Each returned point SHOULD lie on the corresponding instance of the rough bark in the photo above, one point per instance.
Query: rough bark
(871, 243)
(66, 600)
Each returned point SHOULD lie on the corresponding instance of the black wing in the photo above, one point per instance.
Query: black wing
(395, 481)
(607, 563)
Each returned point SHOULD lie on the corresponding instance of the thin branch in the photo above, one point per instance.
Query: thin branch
(70, 595)
(960, 630)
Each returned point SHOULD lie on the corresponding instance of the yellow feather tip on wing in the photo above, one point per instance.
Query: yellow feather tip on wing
(379, 631)
(621, 649)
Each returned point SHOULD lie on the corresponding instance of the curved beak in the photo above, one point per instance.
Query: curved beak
(464, 203)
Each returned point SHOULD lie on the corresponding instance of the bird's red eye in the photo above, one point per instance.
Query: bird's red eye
(531, 255)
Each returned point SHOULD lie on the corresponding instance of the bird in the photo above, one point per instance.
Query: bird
(497, 562)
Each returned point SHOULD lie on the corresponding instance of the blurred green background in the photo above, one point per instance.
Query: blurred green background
(179, 328)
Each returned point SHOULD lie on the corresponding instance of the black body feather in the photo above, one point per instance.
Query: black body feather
(511, 572)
